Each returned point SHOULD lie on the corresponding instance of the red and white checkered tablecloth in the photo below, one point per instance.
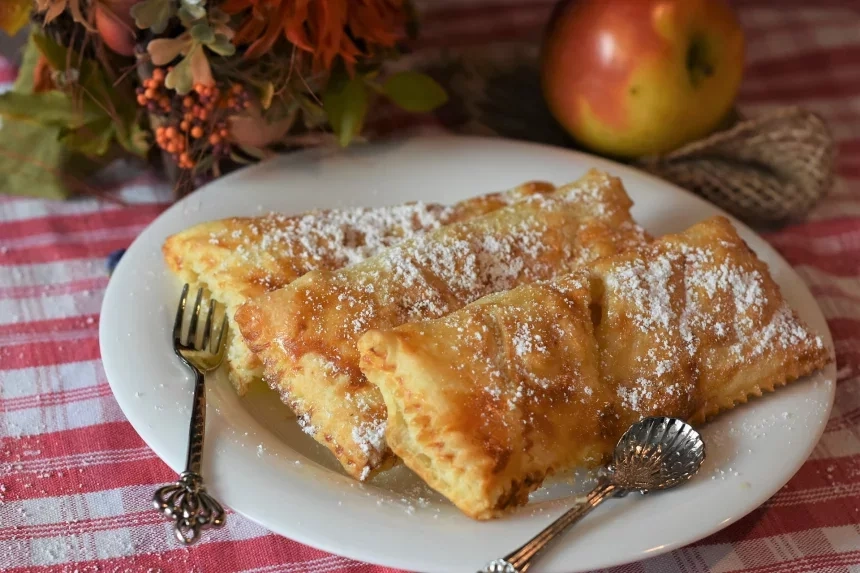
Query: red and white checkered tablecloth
(76, 480)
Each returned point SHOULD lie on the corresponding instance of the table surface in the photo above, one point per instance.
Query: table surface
(76, 480)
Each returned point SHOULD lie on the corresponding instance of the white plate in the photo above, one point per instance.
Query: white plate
(260, 464)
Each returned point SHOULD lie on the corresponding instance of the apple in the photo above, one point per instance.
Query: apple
(115, 25)
(628, 78)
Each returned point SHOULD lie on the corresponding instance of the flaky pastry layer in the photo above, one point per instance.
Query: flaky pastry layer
(306, 333)
(242, 257)
(486, 402)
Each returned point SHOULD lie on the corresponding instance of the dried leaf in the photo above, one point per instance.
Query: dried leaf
(165, 50)
(14, 14)
(256, 131)
(414, 91)
(56, 8)
(77, 15)
(218, 16)
(201, 73)
(153, 14)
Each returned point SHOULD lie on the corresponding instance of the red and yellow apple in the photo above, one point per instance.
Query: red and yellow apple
(115, 25)
(628, 78)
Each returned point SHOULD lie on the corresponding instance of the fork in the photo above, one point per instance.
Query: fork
(186, 501)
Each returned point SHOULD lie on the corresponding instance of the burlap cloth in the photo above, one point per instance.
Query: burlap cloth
(767, 169)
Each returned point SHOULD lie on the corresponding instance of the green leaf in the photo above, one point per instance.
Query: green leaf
(236, 158)
(93, 138)
(203, 33)
(53, 52)
(135, 140)
(31, 157)
(267, 92)
(24, 80)
(254, 152)
(345, 102)
(153, 14)
(313, 115)
(222, 45)
(180, 78)
(46, 108)
(189, 14)
(414, 91)
(90, 74)
(98, 95)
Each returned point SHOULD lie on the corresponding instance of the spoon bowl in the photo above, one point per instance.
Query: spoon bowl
(657, 453)
(654, 453)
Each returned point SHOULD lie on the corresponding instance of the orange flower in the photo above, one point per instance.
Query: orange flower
(325, 28)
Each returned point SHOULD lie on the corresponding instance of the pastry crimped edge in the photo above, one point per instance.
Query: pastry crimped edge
(244, 369)
(386, 355)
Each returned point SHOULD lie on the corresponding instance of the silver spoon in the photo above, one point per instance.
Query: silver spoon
(653, 454)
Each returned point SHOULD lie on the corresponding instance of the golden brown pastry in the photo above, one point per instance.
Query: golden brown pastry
(306, 333)
(239, 258)
(486, 402)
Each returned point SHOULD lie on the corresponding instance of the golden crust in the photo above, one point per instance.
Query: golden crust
(243, 257)
(306, 333)
(478, 408)
(485, 402)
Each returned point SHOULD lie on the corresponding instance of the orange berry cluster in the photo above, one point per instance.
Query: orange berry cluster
(151, 95)
(195, 124)
(170, 140)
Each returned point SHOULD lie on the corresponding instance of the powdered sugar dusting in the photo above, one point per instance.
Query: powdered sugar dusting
(369, 435)
(332, 238)
(435, 270)
(725, 299)
(633, 397)
(306, 425)
(526, 341)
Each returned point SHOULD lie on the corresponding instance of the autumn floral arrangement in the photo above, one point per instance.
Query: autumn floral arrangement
(198, 87)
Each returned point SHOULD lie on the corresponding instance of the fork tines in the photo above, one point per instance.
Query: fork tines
(209, 342)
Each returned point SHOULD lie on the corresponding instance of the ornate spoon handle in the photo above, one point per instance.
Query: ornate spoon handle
(186, 501)
(520, 560)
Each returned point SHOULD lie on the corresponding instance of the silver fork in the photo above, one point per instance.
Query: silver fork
(186, 501)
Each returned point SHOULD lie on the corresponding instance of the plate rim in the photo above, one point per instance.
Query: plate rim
(620, 170)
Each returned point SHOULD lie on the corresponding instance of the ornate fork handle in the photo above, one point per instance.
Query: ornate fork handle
(197, 428)
(186, 501)
(520, 560)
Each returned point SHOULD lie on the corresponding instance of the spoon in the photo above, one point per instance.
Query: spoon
(653, 454)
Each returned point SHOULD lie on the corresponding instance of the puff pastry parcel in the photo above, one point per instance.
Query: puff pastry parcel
(486, 402)
(306, 333)
(239, 258)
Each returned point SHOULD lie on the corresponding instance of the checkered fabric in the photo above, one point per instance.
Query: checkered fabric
(76, 480)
